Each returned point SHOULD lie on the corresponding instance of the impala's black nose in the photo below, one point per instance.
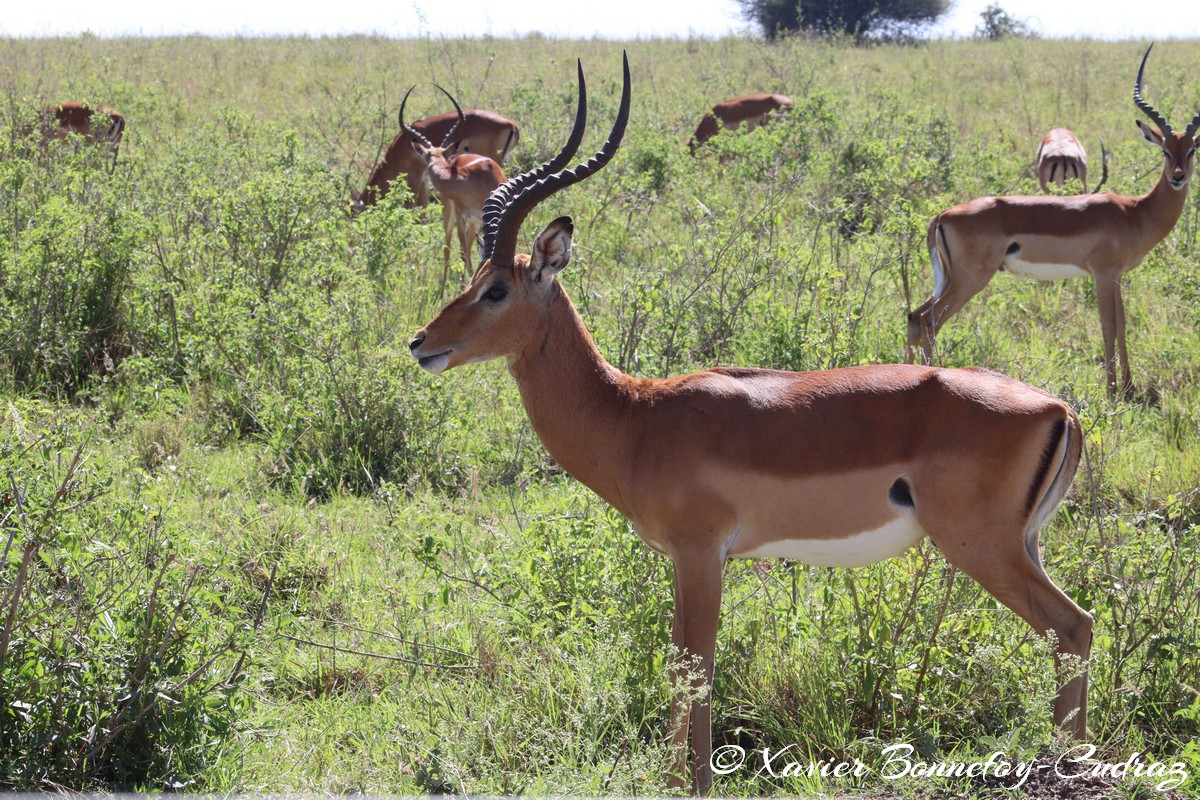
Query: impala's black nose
(416, 341)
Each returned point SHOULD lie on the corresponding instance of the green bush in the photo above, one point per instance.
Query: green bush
(67, 270)
(117, 660)
(357, 423)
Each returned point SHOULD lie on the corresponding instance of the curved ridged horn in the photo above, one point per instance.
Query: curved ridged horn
(413, 132)
(504, 244)
(1194, 126)
(502, 195)
(458, 124)
(1156, 117)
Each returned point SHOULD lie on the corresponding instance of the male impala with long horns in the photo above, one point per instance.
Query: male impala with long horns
(463, 182)
(844, 467)
(481, 132)
(1050, 238)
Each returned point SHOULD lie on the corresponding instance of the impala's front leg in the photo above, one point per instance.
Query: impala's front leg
(1112, 326)
(694, 633)
(468, 230)
(447, 232)
(1122, 353)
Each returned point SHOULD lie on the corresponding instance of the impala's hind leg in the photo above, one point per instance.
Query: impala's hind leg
(959, 273)
(993, 536)
(1016, 581)
(928, 319)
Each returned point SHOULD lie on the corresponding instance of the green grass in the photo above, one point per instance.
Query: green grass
(365, 579)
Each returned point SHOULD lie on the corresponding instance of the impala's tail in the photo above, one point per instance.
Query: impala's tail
(919, 321)
(514, 136)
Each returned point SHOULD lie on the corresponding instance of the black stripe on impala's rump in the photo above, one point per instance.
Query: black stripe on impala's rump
(1039, 478)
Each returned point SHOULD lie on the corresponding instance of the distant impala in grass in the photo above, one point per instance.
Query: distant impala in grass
(481, 132)
(463, 181)
(750, 110)
(1060, 158)
(1104, 235)
(95, 124)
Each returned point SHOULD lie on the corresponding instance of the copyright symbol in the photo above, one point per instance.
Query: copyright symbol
(727, 758)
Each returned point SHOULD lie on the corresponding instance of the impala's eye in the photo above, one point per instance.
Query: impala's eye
(495, 294)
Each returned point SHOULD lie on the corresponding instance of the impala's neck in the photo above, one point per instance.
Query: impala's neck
(577, 402)
(1162, 205)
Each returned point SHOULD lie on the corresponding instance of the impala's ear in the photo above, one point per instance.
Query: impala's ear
(1153, 136)
(421, 149)
(552, 250)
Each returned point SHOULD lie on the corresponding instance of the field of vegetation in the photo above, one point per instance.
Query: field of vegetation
(247, 545)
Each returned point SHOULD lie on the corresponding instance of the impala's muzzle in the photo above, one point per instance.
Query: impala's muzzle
(430, 362)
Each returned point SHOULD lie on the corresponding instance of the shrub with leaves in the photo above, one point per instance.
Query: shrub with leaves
(117, 661)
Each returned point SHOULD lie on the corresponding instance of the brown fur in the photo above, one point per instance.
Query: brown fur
(719, 463)
(750, 110)
(1104, 235)
(483, 133)
(1060, 158)
(74, 117)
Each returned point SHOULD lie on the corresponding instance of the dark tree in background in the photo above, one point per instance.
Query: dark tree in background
(995, 23)
(858, 18)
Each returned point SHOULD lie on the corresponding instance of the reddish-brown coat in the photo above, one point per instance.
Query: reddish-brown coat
(1060, 158)
(73, 116)
(483, 132)
(857, 463)
(751, 110)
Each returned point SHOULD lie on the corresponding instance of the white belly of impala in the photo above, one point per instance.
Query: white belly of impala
(1043, 272)
(856, 550)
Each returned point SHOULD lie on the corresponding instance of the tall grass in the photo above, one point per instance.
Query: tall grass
(272, 555)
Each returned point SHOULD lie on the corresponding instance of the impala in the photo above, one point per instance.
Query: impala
(463, 182)
(481, 132)
(61, 120)
(1061, 157)
(839, 468)
(751, 110)
(1050, 238)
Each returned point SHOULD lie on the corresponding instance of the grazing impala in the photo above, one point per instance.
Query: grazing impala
(63, 119)
(463, 182)
(838, 468)
(1060, 158)
(480, 132)
(751, 110)
(1051, 238)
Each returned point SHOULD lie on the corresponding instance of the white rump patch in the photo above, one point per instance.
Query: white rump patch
(1043, 272)
(940, 281)
(869, 547)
